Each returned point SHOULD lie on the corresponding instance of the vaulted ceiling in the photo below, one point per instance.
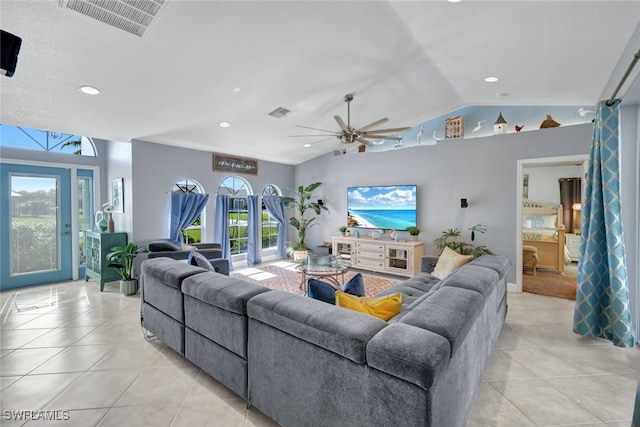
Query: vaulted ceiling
(205, 62)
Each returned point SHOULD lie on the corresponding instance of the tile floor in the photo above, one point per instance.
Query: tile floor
(72, 349)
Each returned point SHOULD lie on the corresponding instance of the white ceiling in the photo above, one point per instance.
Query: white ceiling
(204, 62)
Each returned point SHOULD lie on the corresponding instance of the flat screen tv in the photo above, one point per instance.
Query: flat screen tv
(389, 207)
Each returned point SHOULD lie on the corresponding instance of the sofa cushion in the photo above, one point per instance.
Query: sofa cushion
(475, 278)
(323, 291)
(449, 262)
(449, 312)
(382, 307)
(412, 288)
(161, 245)
(222, 291)
(497, 263)
(341, 331)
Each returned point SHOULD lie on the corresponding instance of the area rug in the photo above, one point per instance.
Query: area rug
(550, 284)
(284, 276)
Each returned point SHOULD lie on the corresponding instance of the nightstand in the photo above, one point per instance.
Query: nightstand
(573, 246)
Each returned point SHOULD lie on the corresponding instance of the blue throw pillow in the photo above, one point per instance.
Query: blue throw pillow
(197, 259)
(322, 291)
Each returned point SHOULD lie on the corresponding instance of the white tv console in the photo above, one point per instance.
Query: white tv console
(401, 258)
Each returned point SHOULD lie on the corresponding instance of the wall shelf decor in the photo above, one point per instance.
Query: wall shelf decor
(224, 163)
(454, 127)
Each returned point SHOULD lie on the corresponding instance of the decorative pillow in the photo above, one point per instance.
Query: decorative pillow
(317, 289)
(162, 245)
(449, 262)
(196, 258)
(185, 247)
(384, 307)
(526, 222)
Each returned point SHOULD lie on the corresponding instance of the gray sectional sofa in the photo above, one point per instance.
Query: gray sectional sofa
(303, 362)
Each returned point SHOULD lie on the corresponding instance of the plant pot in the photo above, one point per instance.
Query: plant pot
(414, 238)
(129, 287)
(300, 255)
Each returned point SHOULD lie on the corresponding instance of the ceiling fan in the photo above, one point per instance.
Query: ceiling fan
(349, 135)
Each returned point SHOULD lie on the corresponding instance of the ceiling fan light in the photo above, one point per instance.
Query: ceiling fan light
(89, 90)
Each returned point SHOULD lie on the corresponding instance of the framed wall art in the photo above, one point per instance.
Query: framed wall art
(117, 195)
(224, 163)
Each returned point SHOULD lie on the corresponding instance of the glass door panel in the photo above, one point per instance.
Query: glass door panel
(36, 225)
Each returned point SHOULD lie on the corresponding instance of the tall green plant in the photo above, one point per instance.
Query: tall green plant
(451, 238)
(302, 203)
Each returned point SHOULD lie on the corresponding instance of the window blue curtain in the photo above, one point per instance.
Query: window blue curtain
(221, 232)
(185, 208)
(276, 208)
(254, 244)
(602, 298)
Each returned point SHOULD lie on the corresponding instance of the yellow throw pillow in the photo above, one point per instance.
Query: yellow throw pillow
(383, 307)
(449, 262)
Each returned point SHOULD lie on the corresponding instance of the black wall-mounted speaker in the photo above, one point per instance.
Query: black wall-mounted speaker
(9, 49)
(463, 203)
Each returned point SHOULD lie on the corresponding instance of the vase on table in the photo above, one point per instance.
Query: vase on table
(101, 222)
(110, 224)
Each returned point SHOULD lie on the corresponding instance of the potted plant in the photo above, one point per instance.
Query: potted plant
(451, 238)
(121, 258)
(343, 230)
(302, 203)
(413, 232)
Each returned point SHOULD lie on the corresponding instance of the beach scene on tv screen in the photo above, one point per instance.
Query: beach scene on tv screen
(383, 207)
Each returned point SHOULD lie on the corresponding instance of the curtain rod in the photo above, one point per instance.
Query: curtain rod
(636, 57)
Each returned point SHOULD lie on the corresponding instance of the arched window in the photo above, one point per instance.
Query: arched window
(45, 140)
(193, 233)
(238, 189)
(269, 223)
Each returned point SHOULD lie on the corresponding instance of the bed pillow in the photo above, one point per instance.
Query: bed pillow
(541, 221)
(449, 262)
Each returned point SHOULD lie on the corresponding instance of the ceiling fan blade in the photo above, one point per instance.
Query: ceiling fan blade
(341, 122)
(321, 141)
(374, 124)
(363, 141)
(334, 135)
(323, 130)
(390, 130)
(389, 138)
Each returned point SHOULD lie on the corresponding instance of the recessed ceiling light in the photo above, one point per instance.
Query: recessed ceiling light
(224, 124)
(453, 1)
(491, 79)
(89, 90)
(307, 145)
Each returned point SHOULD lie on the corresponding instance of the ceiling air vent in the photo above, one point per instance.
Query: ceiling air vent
(132, 16)
(280, 113)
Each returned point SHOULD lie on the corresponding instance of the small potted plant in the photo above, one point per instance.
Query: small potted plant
(451, 238)
(121, 258)
(343, 230)
(413, 232)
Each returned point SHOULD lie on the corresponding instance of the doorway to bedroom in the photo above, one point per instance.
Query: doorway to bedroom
(548, 229)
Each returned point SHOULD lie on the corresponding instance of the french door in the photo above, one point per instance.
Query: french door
(35, 225)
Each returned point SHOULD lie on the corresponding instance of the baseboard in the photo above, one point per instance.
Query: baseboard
(512, 287)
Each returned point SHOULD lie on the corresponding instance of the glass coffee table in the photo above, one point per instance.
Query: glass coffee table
(330, 268)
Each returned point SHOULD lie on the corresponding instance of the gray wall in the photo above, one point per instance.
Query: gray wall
(482, 170)
(157, 169)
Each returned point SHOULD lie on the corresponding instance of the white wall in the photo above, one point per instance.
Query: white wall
(543, 182)
(482, 170)
(158, 168)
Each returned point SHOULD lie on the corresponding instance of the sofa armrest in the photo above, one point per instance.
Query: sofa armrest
(336, 329)
(201, 246)
(221, 265)
(428, 263)
(413, 354)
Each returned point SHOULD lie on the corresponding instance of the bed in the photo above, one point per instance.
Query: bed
(543, 229)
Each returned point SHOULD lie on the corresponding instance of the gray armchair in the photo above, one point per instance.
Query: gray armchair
(171, 249)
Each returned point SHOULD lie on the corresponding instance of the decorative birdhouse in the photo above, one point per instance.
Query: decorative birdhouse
(454, 127)
(500, 126)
